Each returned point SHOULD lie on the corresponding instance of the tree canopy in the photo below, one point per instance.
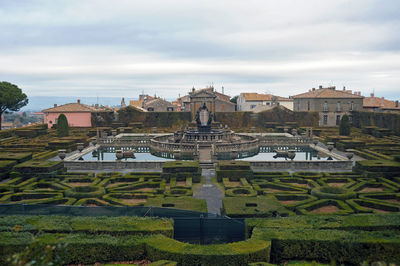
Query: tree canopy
(62, 126)
(11, 98)
(344, 127)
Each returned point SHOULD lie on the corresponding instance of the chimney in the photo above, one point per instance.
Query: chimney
(313, 89)
(397, 103)
(320, 86)
(55, 105)
(96, 105)
(193, 89)
(78, 101)
(372, 94)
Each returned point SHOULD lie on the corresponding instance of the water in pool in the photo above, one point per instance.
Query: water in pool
(265, 154)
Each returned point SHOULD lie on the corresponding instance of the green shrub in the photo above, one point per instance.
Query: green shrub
(327, 192)
(344, 127)
(62, 126)
(238, 253)
(84, 192)
(349, 247)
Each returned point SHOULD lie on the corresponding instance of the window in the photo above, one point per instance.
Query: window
(325, 119)
(252, 106)
(337, 120)
(338, 106)
(170, 109)
(350, 119)
(308, 106)
(352, 106)
(150, 109)
(56, 120)
(325, 106)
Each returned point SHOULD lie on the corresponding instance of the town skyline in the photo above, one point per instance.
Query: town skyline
(71, 48)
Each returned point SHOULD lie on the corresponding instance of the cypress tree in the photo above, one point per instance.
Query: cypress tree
(344, 128)
(62, 126)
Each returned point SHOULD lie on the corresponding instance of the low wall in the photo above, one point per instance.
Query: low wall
(144, 166)
(326, 166)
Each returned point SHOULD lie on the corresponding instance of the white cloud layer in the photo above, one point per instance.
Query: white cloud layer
(119, 48)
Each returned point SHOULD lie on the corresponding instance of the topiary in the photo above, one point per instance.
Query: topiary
(344, 128)
(62, 126)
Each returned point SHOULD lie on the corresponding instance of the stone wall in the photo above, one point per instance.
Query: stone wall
(139, 166)
(325, 166)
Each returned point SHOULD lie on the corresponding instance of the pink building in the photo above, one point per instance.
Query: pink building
(78, 115)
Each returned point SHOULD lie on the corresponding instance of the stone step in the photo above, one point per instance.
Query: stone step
(206, 165)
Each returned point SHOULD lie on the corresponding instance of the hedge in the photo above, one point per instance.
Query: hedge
(240, 191)
(367, 222)
(84, 192)
(352, 247)
(121, 225)
(308, 207)
(184, 203)
(260, 206)
(18, 157)
(327, 192)
(238, 253)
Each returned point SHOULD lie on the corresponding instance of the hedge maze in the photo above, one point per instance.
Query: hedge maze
(270, 194)
(131, 189)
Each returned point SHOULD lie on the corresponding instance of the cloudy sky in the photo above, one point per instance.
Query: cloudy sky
(121, 48)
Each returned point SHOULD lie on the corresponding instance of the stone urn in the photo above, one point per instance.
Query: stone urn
(315, 141)
(62, 154)
(291, 154)
(94, 141)
(330, 146)
(80, 146)
(119, 154)
(285, 129)
(114, 132)
(294, 132)
(349, 155)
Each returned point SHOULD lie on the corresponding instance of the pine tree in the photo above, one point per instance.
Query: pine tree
(344, 128)
(62, 126)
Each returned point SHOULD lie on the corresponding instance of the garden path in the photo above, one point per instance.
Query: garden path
(210, 192)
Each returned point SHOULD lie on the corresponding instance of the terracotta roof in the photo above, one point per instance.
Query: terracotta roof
(74, 108)
(376, 102)
(256, 97)
(327, 93)
(157, 101)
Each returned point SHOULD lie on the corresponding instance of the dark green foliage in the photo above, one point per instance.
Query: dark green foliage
(33, 167)
(18, 157)
(62, 126)
(260, 206)
(238, 253)
(121, 225)
(327, 192)
(343, 145)
(184, 203)
(85, 192)
(344, 127)
(377, 119)
(11, 98)
(325, 245)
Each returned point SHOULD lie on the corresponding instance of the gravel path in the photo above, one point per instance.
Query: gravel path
(210, 192)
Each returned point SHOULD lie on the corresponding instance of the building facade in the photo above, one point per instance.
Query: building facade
(215, 101)
(78, 114)
(380, 104)
(331, 104)
(249, 101)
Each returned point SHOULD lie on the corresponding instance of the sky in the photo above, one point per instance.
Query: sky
(121, 48)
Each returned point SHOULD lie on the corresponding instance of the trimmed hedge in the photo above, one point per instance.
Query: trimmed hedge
(121, 225)
(331, 245)
(85, 192)
(238, 253)
(327, 192)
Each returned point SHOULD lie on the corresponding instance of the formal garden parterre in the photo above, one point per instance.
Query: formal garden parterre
(347, 217)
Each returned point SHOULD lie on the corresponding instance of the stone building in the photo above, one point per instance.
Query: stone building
(380, 104)
(331, 104)
(249, 101)
(215, 101)
(78, 114)
(158, 105)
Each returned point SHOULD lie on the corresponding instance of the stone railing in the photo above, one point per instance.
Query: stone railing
(161, 144)
(285, 141)
(326, 166)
